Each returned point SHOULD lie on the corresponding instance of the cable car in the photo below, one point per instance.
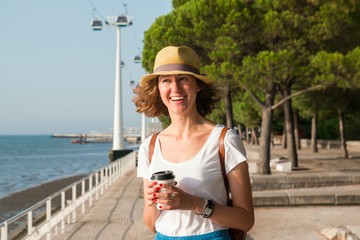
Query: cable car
(122, 64)
(96, 25)
(123, 21)
(137, 59)
(132, 83)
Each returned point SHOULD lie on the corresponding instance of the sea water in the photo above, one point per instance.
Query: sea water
(31, 160)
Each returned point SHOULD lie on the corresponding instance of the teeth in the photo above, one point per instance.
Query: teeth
(177, 98)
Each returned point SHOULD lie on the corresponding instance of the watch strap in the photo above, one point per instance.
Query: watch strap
(208, 209)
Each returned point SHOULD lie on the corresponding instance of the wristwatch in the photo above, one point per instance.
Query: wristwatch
(208, 209)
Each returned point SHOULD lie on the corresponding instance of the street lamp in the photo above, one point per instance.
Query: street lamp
(143, 120)
(118, 150)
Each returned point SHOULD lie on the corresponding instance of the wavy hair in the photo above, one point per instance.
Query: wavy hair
(148, 100)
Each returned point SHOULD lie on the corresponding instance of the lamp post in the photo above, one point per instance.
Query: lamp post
(143, 127)
(118, 150)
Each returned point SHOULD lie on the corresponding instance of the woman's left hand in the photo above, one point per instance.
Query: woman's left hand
(175, 198)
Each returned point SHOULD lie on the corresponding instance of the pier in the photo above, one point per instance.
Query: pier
(133, 138)
(131, 135)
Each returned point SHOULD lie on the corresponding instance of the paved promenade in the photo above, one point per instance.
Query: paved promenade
(116, 215)
(323, 193)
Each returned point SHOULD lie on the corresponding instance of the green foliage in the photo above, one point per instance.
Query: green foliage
(328, 129)
(246, 111)
(283, 29)
(337, 69)
(309, 103)
(165, 121)
(178, 3)
(218, 115)
(352, 123)
(333, 26)
(304, 126)
(259, 73)
(328, 67)
(256, 45)
(352, 65)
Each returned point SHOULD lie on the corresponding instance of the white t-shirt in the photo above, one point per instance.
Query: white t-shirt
(200, 176)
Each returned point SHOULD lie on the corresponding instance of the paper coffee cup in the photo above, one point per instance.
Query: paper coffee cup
(163, 177)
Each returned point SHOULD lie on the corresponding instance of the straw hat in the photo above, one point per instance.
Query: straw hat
(173, 60)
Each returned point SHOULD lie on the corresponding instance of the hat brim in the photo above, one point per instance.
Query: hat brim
(145, 79)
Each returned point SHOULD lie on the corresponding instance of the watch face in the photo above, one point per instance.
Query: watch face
(208, 209)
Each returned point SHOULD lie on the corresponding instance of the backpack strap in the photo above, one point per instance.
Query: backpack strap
(152, 146)
(222, 159)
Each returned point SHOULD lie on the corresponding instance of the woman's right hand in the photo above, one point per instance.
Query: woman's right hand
(150, 211)
(150, 190)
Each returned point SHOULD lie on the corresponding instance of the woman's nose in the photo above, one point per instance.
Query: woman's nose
(175, 86)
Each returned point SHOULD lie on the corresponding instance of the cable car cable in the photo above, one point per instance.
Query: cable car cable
(104, 19)
(137, 58)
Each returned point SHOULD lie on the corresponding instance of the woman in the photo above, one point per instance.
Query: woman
(196, 208)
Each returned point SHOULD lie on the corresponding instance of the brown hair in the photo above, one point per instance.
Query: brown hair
(148, 100)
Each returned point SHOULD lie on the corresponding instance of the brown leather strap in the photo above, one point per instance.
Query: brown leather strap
(222, 159)
(237, 234)
(152, 146)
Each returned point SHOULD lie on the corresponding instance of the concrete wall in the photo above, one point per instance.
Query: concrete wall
(332, 144)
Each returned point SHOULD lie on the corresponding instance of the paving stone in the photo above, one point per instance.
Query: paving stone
(356, 178)
(348, 197)
(270, 198)
(334, 177)
(310, 197)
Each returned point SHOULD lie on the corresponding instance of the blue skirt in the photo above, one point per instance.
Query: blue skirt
(217, 235)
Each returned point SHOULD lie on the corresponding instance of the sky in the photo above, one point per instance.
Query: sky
(57, 75)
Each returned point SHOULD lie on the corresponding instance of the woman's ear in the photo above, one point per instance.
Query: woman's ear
(198, 88)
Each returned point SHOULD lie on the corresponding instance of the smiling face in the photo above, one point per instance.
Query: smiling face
(178, 93)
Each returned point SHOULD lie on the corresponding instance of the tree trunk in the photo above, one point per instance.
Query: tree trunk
(247, 135)
(254, 137)
(296, 130)
(314, 133)
(228, 107)
(291, 147)
(283, 140)
(342, 134)
(265, 140)
(266, 129)
(240, 132)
